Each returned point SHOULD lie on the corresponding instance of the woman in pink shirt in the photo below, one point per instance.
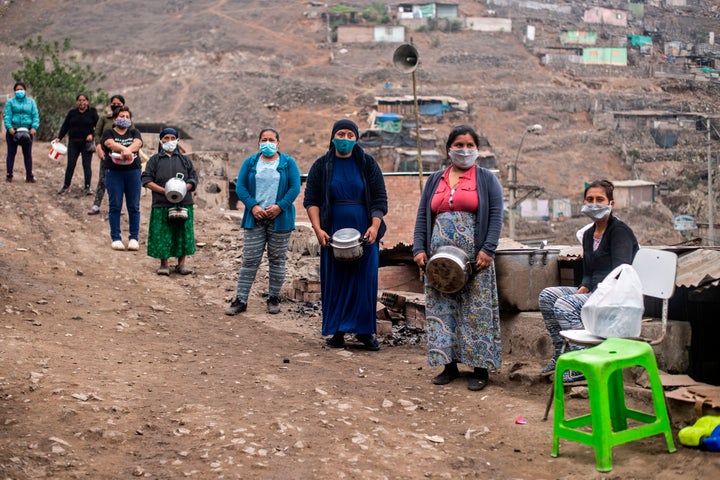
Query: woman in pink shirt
(462, 206)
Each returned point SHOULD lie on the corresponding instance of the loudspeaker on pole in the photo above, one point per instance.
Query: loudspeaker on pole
(406, 58)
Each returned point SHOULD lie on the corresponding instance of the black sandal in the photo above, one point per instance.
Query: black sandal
(368, 341)
(449, 373)
(336, 341)
(478, 380)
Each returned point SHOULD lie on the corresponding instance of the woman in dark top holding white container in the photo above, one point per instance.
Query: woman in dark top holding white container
(122, 178)
(79, 126)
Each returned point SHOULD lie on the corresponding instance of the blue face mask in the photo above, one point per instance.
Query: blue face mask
(19, 94)
(343, 146)
(268, 149)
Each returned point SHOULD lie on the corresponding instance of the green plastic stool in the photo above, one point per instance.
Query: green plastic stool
(603, 367)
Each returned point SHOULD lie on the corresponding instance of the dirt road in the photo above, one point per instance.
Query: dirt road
(109, 371)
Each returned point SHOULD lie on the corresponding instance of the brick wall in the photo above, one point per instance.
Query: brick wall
(403, 197)
(404, 278)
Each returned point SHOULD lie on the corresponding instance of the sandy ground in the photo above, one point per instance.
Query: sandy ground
(110, 371)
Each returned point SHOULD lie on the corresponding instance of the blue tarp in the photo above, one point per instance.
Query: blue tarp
(435, 108)
(388, 117)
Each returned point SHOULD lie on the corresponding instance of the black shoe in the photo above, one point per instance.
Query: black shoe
(8, 178)
(337, 340)
(449, 374)
(63, 190)
(29, 179)
(236, 307)
(273, 304)
(368, 341)
(478, 380)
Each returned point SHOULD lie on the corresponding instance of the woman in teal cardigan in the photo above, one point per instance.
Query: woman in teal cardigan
(268, 183)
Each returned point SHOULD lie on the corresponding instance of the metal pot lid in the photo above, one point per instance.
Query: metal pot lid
(346, 237)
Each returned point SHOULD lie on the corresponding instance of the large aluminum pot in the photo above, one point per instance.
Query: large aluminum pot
(347, 245)
(449, 269)
(176, 188)
(522, 273)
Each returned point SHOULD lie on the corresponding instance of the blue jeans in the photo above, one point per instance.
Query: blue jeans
(121, 183)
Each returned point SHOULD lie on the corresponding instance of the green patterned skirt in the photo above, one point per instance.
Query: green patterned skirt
(170, 239)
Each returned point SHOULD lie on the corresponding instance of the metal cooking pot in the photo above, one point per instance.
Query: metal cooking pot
(449, 269)
(176, 188)
(22, 136)
(347, 245)
(522, 273)
(177, 215)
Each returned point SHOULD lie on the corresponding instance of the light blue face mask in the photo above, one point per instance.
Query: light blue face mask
(20, 94)
(268, 149)
(596, 211)
(343, 146)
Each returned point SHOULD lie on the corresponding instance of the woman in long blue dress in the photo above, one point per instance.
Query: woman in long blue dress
(345, 189)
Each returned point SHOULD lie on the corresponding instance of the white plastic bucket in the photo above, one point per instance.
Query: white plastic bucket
(57, 150)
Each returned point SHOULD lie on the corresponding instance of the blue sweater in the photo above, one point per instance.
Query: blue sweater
(489, 214)
(21, 113)
(288, 190)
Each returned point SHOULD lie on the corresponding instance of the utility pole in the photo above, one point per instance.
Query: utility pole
(513, 186)
(711, 220)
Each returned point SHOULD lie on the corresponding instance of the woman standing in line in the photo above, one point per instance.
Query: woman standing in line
(267, 184)
(79, 125)
(22, 120)
(104, 122)
(345, 189)
(462, 206)
(122, 179)
(169, 237)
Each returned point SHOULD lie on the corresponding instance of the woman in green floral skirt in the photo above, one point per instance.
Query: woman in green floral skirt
(170, 232)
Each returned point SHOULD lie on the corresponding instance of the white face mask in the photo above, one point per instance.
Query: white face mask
(170, 146)
(463, 159)
(596, 211)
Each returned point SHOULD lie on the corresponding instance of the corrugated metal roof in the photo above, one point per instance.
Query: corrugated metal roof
(698, 267)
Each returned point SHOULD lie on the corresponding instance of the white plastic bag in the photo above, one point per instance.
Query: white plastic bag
(616, 306)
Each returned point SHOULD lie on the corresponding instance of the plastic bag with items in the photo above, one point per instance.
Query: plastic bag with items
(616, 306)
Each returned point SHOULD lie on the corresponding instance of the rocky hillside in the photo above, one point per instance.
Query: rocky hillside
(222, 70)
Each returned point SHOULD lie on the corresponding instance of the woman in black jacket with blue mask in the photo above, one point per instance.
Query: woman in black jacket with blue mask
(345, 190)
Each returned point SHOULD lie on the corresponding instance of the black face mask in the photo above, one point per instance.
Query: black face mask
(115, 108)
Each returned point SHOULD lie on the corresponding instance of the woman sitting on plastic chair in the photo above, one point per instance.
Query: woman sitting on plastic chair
(606, 244)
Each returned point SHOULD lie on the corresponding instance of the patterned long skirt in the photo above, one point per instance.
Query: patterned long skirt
(170, 239)
(463, 326)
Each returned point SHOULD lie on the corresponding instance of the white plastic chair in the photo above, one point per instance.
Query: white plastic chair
(657, 270)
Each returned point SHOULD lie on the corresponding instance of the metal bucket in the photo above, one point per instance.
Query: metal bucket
(522, 274)
(448, 269)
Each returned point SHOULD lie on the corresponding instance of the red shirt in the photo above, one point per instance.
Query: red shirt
(462, 198)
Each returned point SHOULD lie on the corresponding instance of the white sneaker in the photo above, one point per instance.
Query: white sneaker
(133, 245)
(118, 245)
